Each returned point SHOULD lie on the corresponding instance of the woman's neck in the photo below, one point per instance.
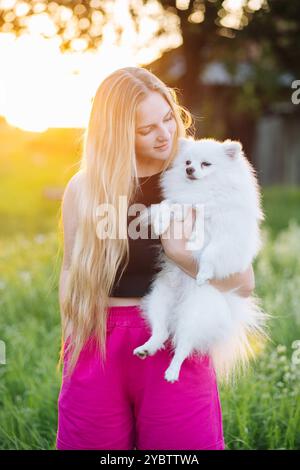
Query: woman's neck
(146, 171)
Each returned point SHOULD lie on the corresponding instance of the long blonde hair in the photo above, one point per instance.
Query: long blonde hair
(108, 163)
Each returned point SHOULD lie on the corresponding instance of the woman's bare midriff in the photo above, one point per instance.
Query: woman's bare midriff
(117, 301)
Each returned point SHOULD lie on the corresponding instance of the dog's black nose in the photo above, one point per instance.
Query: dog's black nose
(190, 170)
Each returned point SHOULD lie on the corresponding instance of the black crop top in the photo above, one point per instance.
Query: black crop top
(143, 252)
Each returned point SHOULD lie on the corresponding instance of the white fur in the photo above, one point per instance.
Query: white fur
(197, 316)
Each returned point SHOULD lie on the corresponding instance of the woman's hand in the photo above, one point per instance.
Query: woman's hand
(175, 237)
(174, 247)
(245, 281)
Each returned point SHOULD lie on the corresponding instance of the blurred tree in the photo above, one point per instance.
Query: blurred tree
(209, 31)
(271, 45)
(203, 24)
(264, 33)
(279, 31)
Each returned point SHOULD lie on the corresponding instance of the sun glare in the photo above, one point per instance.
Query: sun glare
(41, 88)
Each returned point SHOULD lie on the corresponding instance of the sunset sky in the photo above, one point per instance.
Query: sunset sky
(40, 87)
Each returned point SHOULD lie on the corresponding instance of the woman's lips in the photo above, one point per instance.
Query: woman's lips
(164, 147)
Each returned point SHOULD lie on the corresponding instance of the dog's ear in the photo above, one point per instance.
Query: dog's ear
(232, 148)
(183, 143)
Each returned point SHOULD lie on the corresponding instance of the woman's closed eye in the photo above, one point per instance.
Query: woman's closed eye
(168, 119)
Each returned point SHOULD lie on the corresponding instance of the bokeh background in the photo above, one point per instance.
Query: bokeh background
(235, 65)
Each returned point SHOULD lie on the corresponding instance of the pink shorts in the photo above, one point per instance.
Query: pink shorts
(128, 404)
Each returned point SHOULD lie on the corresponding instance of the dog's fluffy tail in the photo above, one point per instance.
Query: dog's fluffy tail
(232, 357)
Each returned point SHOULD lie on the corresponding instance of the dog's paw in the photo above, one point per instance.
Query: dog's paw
(201, 278)
(162, 219)
(148, 349)
(141, 352)
(161, 224)
(204, 274)
(193, 245)
(180, 212)
(171, 375)
(144, 218)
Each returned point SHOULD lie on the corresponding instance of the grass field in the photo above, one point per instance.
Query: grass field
(261, 412)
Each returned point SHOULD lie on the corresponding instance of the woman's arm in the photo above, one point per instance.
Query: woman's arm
(69, 212)
(245, 281)
(175, 250)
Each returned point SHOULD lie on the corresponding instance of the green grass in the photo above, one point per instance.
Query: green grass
(32, 165)
(281, 205)
(261, 412)
(30, 328)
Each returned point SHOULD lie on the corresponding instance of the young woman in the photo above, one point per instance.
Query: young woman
(109, 397)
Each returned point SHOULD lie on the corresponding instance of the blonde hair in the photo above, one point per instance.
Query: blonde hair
(108, 163)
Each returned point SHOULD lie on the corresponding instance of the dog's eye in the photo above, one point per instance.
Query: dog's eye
(205, 164)
(188, 162)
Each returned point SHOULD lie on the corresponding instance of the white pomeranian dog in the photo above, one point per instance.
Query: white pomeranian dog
(219, 182)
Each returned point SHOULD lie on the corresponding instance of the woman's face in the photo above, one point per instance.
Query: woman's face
(155, 126)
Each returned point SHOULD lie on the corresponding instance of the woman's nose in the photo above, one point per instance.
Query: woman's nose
(163, 134)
